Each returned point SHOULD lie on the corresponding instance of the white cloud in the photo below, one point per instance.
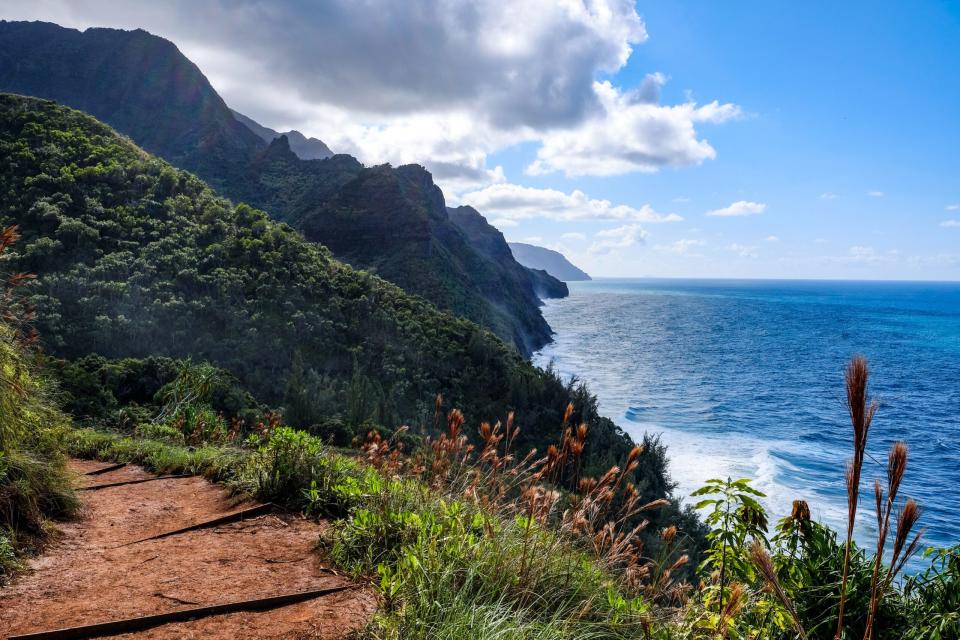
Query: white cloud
(950, 223)
(517, 202)
(618, 238)
(772, 239)
(534, 239)
(739, 208)
(828, 196)
(876, 194)
(683, 247)
(573, 236)
(864, 255)
(472, 77)
(504, 222)
(742, 250)
(952, 207)
(629, 134)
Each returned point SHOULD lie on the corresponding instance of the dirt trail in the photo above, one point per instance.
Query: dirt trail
(86, 577)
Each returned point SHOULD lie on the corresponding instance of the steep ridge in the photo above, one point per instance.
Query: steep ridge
(140, 84)
(144, 87)
(488, 240)
(553, 262)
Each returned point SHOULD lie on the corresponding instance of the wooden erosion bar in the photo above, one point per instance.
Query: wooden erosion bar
(140, 623)
(111, 467)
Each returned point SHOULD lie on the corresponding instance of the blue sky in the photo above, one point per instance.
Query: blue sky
(823, 136)
(841, 100)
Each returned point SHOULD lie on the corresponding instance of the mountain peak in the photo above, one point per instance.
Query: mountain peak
(305, 148)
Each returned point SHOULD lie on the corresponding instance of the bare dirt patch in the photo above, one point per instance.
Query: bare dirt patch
(88, 577)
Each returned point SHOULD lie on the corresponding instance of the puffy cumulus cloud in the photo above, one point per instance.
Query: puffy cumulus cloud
(631, 132)
(529, 62)
(517, 202)
(623, 237)
(442, 83)
(683, 247)
(739, 208)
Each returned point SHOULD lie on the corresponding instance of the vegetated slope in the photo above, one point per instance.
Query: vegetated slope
(144, 87)
(553, 262)
(136, 258)
(305, 148)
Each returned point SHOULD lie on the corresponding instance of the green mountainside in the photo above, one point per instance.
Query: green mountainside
(391, 221)
(135, 258)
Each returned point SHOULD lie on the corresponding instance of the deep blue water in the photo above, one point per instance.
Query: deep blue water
(745, 378)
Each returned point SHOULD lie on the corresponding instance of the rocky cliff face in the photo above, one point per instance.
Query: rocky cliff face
(487, 239)
(390, 220)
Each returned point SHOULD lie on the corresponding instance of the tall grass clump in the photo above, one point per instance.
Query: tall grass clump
(33, 483)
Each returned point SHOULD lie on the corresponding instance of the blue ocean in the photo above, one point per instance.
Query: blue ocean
(745, 379)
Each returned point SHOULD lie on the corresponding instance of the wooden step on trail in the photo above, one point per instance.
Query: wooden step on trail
(113, 627)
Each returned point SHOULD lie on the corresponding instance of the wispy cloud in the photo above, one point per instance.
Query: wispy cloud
(504, 222)
(517, 202)
(772, 239)
(876, 194)
(952, 207)
(950, 223)
(742, 250)
(684, 246)
(619, 238)
(828, 196)
(739, 208)
(573, 235)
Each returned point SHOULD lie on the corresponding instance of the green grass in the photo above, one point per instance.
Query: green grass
(444, 566)
(215, 463)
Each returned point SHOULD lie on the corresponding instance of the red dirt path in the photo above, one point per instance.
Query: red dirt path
(86, 577)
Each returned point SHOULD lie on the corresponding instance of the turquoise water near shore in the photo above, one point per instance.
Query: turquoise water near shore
(745, 378)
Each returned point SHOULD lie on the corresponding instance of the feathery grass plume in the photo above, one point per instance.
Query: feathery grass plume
(733, 605)
(764, 564)
(861, 411)
(906, 520)
(896, 468)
